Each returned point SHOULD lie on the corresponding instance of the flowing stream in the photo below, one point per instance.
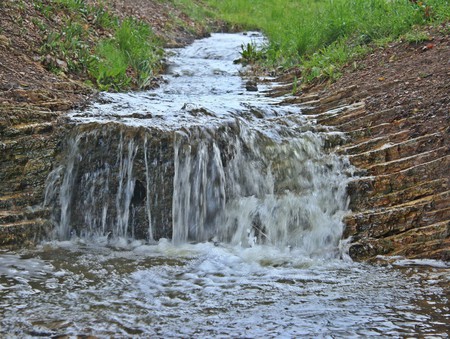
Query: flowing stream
(203, 209)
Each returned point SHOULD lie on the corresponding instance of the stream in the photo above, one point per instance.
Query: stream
(204, 209)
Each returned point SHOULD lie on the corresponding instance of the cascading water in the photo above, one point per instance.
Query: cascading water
(252, 201)
(242, 170)
(258, 188)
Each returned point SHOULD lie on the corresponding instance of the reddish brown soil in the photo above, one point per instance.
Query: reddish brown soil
(415, 76)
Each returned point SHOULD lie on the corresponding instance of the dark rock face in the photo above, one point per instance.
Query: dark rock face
(104, 182)
(35, 142)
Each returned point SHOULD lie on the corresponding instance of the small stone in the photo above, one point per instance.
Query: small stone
(4, 41)
(251, 86)
(62, 64)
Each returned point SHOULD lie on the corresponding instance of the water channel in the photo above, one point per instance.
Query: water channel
(203, 209)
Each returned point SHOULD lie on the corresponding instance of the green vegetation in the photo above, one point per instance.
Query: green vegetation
(195, 10)
(132, 49)
(250, 54)
(113, 54)
(69, 46)
(324, 35)
(81, 37)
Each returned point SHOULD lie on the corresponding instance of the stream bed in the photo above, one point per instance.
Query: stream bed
(212, 291)
(204, 209)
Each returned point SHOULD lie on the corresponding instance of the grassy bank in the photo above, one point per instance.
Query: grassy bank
(323, 35)
(113, 54)
(110, 48)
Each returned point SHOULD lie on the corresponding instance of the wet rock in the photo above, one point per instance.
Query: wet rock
(251, 86)
(29, 138)
(400, 205)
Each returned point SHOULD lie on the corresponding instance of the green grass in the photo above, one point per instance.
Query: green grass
(316, 36)
(127, 60)
(195, 10)
(69, 46)
(133, 54)
(322, 35)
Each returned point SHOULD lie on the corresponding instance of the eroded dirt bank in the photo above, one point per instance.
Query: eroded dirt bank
(395, 109)
(393, 105)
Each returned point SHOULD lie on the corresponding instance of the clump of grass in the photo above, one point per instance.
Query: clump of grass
(327, 62)
(133, 54)
(250, 54)
(321, 35)
(127, 60)
(195, 10)
(68, 46)
(416, 36)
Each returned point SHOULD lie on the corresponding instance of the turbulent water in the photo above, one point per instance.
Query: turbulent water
(201, 209)
(217, 292)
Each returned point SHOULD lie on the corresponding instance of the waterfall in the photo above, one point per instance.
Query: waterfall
(235, 183)
(98, 193)
(200, 159)
(247, 188)
(199, 189)
(148, 196)
(126, 187)
(65, 193)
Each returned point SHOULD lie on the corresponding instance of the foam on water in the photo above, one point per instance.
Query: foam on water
(214, 291)
(202, 81)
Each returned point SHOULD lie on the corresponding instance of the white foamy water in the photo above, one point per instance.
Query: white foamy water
(223, 291)
(202, 87)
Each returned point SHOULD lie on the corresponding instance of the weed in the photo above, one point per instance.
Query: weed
(70, 46)
(20, 6)
(39, 24)
(45, 10)
(109, 67)
(416, 36)
(250, 54)
(101, 18)
(78, 6)
(295, 86)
